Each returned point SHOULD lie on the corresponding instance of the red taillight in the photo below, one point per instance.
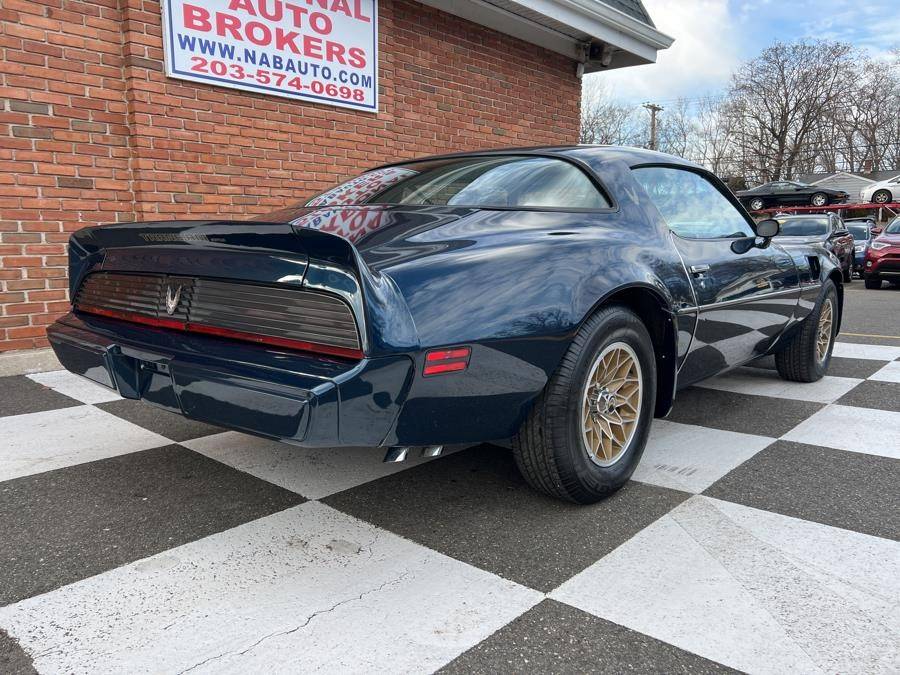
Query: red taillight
(301, 345)
(448, 360)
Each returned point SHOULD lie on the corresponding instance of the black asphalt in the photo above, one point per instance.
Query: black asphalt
(60, 526)
(19, 396)
(474, 506)
(555, 638)
(870, 316)
(851, 490)
(739, 412)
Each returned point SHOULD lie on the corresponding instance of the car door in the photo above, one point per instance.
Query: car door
(779, 193)
(744, 298)
(799, 193)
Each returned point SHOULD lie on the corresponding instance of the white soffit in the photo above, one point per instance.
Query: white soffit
(565, 27)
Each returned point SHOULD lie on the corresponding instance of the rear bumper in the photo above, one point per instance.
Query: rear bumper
(305, 400)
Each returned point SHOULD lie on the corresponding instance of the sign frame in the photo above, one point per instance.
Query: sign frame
(168, 36)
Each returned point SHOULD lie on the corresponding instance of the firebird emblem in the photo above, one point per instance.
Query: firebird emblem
(172, 300)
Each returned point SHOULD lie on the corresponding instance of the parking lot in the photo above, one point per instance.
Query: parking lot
(759, 533)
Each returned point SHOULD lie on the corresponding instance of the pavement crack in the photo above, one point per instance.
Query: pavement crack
(299, 627)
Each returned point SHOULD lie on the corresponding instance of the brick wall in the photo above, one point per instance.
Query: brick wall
(92, 131)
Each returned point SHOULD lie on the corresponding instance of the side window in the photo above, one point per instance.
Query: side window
(692, 206)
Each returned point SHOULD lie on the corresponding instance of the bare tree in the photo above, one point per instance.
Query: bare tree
(605, 121)
(797, 108)
(777, 100)
(676, 129)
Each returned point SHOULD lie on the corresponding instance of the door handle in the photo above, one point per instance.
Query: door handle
(697, 270)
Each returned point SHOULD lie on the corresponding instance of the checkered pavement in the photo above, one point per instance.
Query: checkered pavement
(760, 533)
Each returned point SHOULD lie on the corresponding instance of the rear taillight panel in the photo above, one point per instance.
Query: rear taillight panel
(292, 318)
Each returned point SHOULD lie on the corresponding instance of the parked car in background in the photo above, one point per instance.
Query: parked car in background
(863, 231)
(883, 192)
(883, 257)
(786, 192)
(556, 296)
(826, 229)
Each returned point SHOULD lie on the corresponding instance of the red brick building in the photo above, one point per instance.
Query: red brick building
(92, 130)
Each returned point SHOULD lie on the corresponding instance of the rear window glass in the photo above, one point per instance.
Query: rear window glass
(501, 181)
(859, 231)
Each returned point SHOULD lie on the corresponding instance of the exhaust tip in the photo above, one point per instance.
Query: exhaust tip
(432, 450)
(396, 454)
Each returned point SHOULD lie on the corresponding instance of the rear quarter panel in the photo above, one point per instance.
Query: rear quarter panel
(517, 285)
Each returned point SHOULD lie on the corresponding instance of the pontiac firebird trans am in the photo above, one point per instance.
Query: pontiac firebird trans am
(558, 297)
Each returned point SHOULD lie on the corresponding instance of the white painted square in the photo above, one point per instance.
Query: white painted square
(691, 458)
(890, 373)
(874, 432)
(308, 589)
(757, 591)
(53, 439)
(851, 350)
(312, 472)
(75, 386)
(759, 382)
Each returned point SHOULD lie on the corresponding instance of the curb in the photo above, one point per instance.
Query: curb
(26, 362)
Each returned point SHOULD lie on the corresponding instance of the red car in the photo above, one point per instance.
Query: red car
(883, 257)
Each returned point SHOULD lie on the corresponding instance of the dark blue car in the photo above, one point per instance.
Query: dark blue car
(558, 297)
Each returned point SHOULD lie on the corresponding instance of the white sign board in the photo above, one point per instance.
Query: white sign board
(322, 51)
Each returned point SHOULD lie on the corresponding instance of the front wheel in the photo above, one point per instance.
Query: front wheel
(819, 199)
(756, 204)
(848, 273)
(873, 283)
(585, 434)
(806, 356)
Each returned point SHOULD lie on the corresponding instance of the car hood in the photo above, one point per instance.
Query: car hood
(892, 239)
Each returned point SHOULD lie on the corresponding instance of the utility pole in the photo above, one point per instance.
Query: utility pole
(653, 108)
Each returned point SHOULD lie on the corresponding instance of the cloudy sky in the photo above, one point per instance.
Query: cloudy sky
(713, 36)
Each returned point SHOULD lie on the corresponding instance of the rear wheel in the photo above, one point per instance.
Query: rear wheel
(806, 357)
(586, 432)
(873, 283)
(882, 197)
(819, 199)
(756, 204)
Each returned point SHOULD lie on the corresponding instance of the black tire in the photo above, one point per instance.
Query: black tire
(818, 199)
(873, 283)
(549, 448)
(848, 272)
(798, 360)
(882, 197)
(756, 204)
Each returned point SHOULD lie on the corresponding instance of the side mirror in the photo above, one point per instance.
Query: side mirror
(768, 228)
(876, 231)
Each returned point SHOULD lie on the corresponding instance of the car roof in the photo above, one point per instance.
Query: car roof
(805, 216)
(587, 153)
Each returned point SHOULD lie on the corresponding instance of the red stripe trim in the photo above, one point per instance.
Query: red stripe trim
(447, 354)
(174, 324)
(438, 368)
